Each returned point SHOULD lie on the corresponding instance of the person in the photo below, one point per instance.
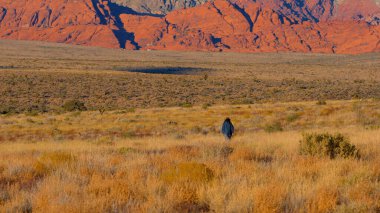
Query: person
(228, 129)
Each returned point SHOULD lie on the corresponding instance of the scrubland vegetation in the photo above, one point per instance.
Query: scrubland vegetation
(43, 77)
(94, 148)
(174, 160)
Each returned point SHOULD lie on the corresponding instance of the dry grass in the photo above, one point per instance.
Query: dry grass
(181, 123)
(132, 153)
(71, 171)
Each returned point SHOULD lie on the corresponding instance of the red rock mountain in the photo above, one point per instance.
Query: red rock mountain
(326, 26)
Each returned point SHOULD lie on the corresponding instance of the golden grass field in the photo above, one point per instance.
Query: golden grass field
(161, 150)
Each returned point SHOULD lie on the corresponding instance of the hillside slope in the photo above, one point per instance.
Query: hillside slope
(344, 26)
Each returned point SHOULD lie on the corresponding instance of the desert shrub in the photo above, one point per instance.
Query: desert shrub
(206, 105)
(186, 105)
(74, 105)
(4, 197)
(31, 113)
(52, 161)
(226, 151)
(328, 145)
(321, 102)
(126, 150)
(188, 172)
(130, 110)
(102, 110)
(293, 117)
(191, 206)
(4, 110)
(24, 205)
(196, 130)
(273, 127)
(179, 136)
(129, 134)
(205, 77)
(105, 140)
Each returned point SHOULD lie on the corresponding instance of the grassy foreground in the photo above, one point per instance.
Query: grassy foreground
(174, 160)
(150, 142)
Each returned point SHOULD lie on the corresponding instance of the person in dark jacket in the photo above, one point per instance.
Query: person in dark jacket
(228, 129)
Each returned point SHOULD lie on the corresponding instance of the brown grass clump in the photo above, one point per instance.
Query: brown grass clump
(191, 206)
(248, 154)
(365, 194)
(325, 199)
(184, 152)
(112, 193)
(49, 162)
(269, 198)
(188, 172)
(226, 151)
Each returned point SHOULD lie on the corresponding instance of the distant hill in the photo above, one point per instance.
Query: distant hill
(325, 26)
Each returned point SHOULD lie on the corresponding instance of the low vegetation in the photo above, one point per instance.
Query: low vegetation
(44, 77)
(74, 105)
(80, 133)
(133, 161)
(329, 145)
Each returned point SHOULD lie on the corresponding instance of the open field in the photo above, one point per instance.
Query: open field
(147, 138)
(43, 76)
(174, 160)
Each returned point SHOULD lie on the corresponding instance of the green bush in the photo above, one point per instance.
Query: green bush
(74, 105)
(328, 145)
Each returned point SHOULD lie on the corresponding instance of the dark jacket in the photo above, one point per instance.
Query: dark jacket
(228, 128)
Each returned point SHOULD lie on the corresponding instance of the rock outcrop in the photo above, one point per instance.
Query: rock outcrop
(83, 22)
(256, 26)
(158, 6)
(324, 26)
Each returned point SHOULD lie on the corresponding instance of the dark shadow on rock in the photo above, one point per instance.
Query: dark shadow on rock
(164, 70)
(115, 10)
(3, 13)
(121, 33)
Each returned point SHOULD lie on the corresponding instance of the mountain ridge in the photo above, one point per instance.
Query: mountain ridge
(219, 25)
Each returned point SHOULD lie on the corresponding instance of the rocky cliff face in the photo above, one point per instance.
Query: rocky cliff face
(256, 26)
(158, 6)
(328, 26)
(80, 22)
